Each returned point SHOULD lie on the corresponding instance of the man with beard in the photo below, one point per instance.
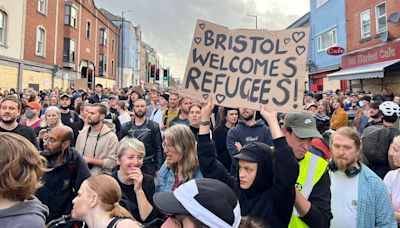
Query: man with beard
(375, 115)
(70, 117)
(172, 112)
(97, 143)
(10, 110)
(67, 171)
(182, 118)
(359, 197)
(149, 133)
(247, 130)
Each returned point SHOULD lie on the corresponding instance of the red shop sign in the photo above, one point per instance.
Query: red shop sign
(335, 51)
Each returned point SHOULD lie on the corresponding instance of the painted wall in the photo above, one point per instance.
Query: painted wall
(14, 24)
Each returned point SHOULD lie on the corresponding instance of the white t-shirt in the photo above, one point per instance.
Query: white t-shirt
(392, 182)
(124, 118)
(344, 200)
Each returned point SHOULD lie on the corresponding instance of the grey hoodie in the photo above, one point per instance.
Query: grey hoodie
(29, 213)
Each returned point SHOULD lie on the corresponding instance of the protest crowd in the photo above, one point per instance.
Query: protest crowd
(138, 157)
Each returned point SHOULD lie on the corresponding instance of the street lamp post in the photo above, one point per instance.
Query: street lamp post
(122, 48)
(255, 16)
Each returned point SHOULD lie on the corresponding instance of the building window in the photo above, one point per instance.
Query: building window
(69, 50)
(326, 40)
(102, 65)
(70, 15)
(88, 29)
(381, 21)
(3, 21)
(40, 41)
(112, 45)
(103, 36)
(365, 24)
(321, 2)
(112, 67)
(42, 6)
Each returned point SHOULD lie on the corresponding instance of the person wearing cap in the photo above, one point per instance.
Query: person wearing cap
(312, 108)
(157, 114)
(200, 203)
(265, 180)
(359, 197)
(362, 115)
(70, 117)
(10, 110)
(113, 102)
(98, 96)
(353, 103)
(339, 116)
(308, 99)
(32, 112)
(312, 204)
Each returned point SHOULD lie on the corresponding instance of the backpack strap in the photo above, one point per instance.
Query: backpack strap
(165, 117)
(114, 222)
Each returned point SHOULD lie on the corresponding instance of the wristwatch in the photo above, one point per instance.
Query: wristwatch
(205, 123)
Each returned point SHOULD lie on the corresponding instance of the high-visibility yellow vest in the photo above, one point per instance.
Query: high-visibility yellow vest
(312, 167)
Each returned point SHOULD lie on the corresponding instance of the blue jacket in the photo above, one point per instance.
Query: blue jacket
(374, 205)
(166, 178)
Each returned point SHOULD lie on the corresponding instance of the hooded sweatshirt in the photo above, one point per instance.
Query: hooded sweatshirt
(244, 134)
(271, 196)
(100, 146)
(29, 213)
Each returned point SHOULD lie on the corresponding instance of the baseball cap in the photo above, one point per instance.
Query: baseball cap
(366, 98)
(208, 200)
(113, 97)
(310, 105)
(65, 95)
(309, 94)
(165, 96)
(302, 124)
(247, 153)
(34, 104)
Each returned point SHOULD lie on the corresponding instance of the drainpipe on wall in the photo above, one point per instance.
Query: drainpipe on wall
(53, 75)
(20, 75)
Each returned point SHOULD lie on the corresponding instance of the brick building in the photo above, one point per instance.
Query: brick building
(62, 41)
(373, 46)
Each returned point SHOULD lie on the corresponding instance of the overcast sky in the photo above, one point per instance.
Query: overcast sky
(168, 25)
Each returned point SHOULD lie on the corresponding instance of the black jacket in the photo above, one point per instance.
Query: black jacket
(95, 98)
(61, 183)
(129, 201)
(149, 133)
(271, 196)
(219, 136)
(24, 131)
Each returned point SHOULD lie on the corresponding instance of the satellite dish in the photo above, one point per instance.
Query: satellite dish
(384, 36)
(394, 17)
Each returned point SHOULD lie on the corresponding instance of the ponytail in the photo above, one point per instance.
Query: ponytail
(119, 211)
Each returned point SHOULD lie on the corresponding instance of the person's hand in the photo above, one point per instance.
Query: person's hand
(136, 175)
(238, 146)
(42, 134)
(207, 109)
(87, 159)
(268, 115)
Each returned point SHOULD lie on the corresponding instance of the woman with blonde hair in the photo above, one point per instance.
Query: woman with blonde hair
(181, 162)
(52, 118)
(97, 204)
(20, 173)
(137, 187)
(392, 178)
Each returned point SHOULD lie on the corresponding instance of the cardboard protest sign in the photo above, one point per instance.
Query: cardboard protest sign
(245, 68)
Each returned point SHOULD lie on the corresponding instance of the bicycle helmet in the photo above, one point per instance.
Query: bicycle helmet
(389, 108)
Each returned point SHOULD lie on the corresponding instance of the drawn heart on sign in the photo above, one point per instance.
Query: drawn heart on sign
(286, 40)
(202, 26)
(300, 49)
(205, 96)
(297, 36)
(220, 98)
(197, 40)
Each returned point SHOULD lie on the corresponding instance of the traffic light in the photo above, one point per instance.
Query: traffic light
(152, 68)
(157, 74)
(165, 75)
(90, 76)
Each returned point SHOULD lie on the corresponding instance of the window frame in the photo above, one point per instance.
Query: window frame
(43, 42)
(377, 18)
(102, 67)
(362, 32)
(88, 29)
(3, 28)
(319, 40)
(68, 18)
(69, 54)
(44, 12)
(103, 36)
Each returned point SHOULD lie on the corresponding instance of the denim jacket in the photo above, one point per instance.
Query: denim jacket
(166, 178)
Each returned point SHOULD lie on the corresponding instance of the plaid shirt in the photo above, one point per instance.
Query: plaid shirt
(374, 205)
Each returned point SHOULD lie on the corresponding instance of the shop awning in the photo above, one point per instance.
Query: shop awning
(376, 70)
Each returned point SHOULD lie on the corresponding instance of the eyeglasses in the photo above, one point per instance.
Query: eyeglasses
(167, 145)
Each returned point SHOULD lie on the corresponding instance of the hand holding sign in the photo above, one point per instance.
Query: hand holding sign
(245, 68)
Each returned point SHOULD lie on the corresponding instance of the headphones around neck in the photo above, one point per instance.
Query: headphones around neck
(350, 171)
